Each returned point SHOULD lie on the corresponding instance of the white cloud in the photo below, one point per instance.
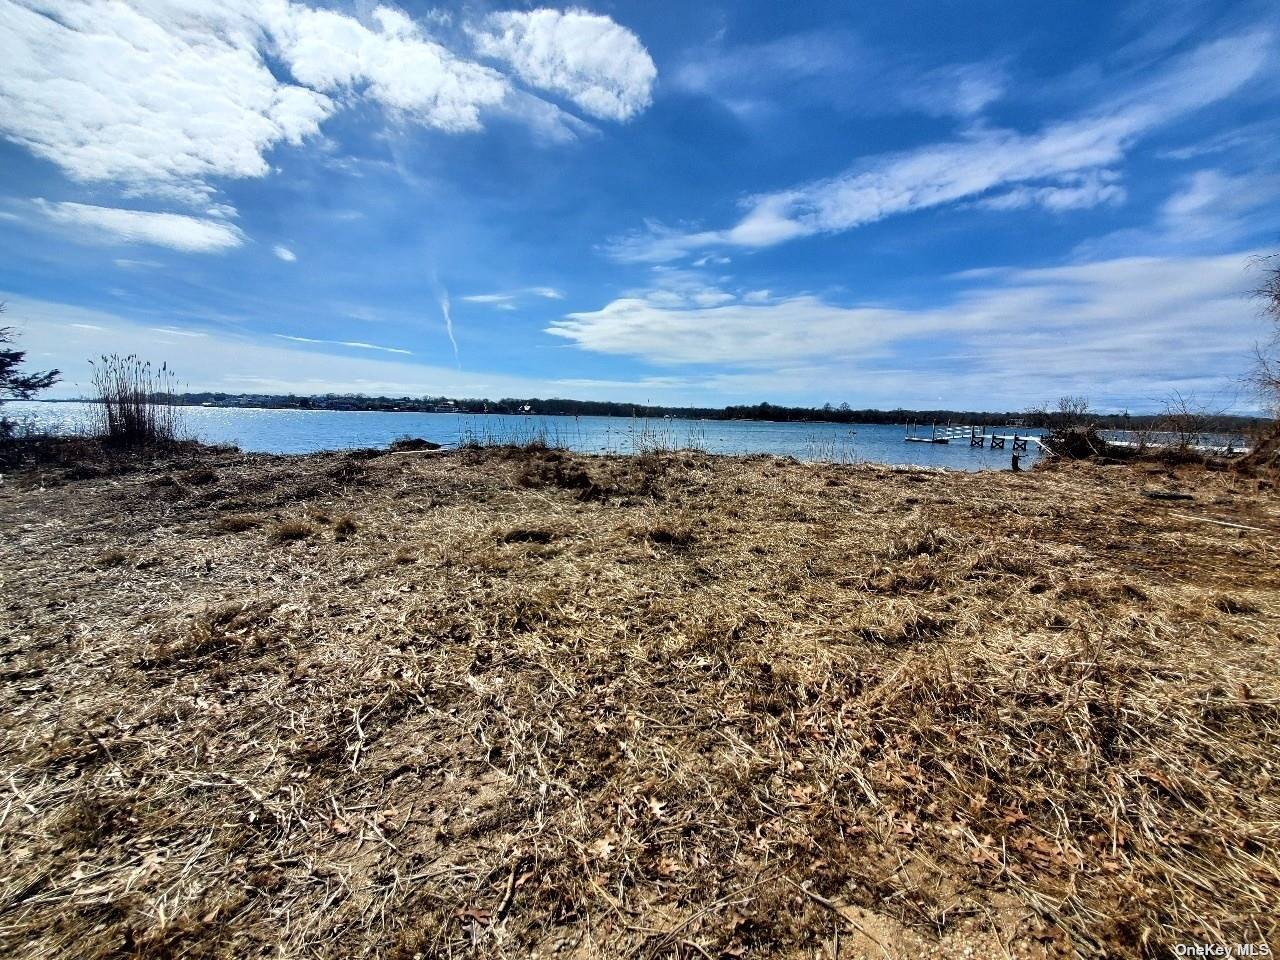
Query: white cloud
(771, 80)
(597, 64)
(284, 253)
(547, 293)
(1092, 189)
(394, 63)
(662, 331)
(1056, 158)
(1135, 326)
(961, 90)
(1211, 210)
(173, 230)
(159, 97)
(1214, 205)
(167, 97)
(506, 300)
(496, 298)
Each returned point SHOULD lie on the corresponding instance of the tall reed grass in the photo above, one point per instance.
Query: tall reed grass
(136, 402)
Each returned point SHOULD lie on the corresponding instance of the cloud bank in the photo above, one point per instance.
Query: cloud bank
(1130, 323)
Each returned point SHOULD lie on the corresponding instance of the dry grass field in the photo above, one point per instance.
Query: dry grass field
(513, 703)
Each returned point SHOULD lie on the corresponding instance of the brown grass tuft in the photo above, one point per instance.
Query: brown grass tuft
(237, 523)
(290, 530)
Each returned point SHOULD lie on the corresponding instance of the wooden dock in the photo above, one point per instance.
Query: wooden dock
(976, 436)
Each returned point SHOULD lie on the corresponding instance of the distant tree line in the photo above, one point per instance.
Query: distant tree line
(557, 407)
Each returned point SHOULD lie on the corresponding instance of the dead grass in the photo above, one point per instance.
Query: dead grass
(687, 707)
(238, 523)
(289, 530)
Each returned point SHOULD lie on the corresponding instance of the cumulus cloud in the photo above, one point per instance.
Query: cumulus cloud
(174, 230)
(164, 98)
(159, 97)
(284, 253)
(591, 60)
(392, 61)
(1057, 160)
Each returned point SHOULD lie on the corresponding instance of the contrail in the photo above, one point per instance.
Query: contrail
(442, 295)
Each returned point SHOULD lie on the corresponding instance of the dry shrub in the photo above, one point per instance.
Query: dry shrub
(554, 470)
(111, 557)
(200, 477)
(412, 444)
(668, 535)
(526, 535)
(1235, 606)
(238, 523)
(345, 525)
(289, 530)
(233, 624)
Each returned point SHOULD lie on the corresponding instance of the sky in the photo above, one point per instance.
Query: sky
(979, 205)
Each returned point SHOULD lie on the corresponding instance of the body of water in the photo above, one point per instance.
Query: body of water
(306, 431)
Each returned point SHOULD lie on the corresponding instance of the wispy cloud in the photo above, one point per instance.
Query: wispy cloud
(113, 225)
(68, 336)
(1143, 319)
(284, 253)
(1053, 159)
(507, 300)
(768, 81)
(357, 344)
(1091, 189)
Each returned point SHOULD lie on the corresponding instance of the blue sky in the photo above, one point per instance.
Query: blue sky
(978, 205)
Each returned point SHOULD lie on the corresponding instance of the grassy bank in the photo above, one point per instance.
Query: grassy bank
(498, 703)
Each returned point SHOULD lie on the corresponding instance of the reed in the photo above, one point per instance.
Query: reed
(136, 402)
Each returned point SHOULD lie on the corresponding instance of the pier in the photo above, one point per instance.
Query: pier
(975, 436)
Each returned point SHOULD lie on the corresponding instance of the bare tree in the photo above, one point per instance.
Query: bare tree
(1186, 422)
(1266, 369)
(1072, 412)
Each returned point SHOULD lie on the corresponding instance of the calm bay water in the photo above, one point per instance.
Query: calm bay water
(306, 431)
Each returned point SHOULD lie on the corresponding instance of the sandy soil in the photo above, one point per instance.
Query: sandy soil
(512, 703)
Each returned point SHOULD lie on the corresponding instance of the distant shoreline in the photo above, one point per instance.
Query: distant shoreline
(756, 413)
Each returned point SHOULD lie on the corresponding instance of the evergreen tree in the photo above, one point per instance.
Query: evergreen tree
(14, 384)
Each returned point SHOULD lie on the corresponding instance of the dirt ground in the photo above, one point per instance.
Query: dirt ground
(512, 703)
